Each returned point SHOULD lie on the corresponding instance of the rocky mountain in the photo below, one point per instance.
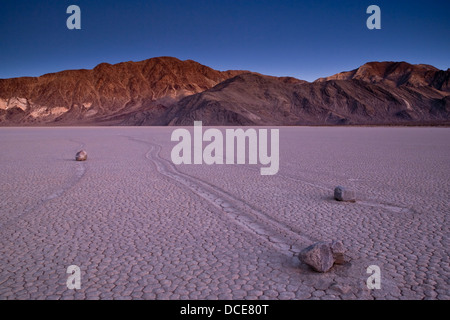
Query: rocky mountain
(167, 91)
(106, 94)
(397, 74)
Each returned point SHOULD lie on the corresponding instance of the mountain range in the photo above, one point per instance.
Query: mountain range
(167, 91)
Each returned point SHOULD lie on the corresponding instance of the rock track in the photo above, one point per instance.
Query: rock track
(277, 234)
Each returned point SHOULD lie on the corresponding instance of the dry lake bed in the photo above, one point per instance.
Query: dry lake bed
(139, 227)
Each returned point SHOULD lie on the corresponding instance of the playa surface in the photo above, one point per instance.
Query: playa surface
(141, 228)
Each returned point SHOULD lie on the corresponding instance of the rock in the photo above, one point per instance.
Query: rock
(321, 256)
(81, 156)
(337, 248)
(344, 194)
(318, 256)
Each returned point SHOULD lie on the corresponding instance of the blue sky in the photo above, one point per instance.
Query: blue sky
(303, 39)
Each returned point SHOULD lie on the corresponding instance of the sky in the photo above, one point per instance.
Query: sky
(302, 39)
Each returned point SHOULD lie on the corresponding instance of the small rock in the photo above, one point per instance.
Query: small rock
(81, 156)
(337, 248)
(318, 256)
(344, 194)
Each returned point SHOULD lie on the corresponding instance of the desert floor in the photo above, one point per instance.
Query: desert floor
(140, 227)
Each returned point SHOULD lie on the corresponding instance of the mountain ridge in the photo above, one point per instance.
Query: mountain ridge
(105, 91)
(397, 74)
(168, 91)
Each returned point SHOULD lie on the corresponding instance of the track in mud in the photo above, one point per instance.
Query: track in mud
(276, 234)
(79, 172)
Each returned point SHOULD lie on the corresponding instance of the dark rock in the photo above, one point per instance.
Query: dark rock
(318, 256)
(321, 256)
(344, 194)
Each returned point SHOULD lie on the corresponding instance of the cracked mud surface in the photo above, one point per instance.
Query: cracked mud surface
(140, 227)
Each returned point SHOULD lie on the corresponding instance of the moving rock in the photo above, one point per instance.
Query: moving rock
(81, 156)
(344, 194)
(321, 256)
(318, 256)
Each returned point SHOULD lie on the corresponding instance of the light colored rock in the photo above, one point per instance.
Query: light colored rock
(81, 156)
(18, 102)
(344, 194)
(3, 104)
